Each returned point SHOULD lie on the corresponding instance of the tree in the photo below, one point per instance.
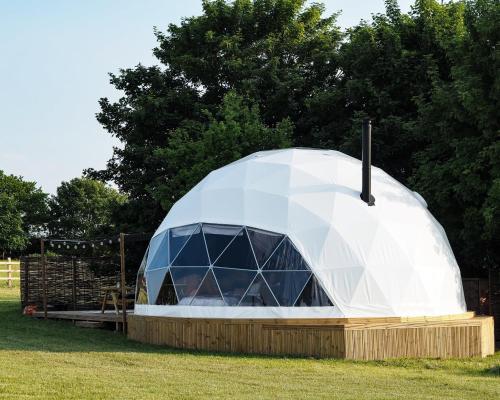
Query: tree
(12, 235)
(23, 212)
(195, 149)
(459, 169)
(384, 70)
(273, 52)
(155, 102)
(83, 209)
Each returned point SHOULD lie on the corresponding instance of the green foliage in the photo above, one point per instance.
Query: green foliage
(253, 74)
(459, 168)
(23, 212)
(12, 236)
(83, 209)
(272, 52)
(195, 149)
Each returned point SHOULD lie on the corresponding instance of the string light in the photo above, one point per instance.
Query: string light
(80, 244)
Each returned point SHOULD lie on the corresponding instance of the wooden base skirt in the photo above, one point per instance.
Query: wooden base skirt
(463, 335)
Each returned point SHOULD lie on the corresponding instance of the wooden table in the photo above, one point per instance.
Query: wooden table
(114, 292)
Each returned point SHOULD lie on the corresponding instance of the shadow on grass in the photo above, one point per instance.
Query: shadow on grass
(473, 366)
(22, 333)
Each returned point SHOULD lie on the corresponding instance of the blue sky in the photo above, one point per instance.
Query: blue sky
(54, 64)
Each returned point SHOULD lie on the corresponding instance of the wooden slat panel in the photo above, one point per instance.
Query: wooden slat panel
(351, 338)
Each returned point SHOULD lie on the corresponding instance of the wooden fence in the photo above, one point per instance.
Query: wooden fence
(9, 267)
(71, 283)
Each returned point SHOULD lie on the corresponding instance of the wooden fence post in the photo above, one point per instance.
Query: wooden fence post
(73, 287)
(9, 273)
(123, 282)
(26, 282)
(44, 277)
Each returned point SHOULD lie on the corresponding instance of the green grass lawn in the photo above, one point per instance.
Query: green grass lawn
(55, 360)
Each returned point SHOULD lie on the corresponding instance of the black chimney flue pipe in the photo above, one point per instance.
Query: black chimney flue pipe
(366, 193)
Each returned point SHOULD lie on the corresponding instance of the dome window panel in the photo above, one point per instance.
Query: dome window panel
(263, 243)
(313, 295)
(238, 254)
(208, 294)
(186, 282)
(158, 252)
(194, 252)
(259, 294)
(141, 291)
(286, 285)
(218, 237)
(233, 283)
(167, 295)
(286, 257)
(178, 238)
(154, 281)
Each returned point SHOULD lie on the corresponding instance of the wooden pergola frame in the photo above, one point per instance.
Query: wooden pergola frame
(122, 238)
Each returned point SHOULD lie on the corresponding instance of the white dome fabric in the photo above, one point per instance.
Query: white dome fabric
(388, 260)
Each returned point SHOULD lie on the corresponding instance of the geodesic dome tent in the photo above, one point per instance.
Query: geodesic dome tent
(285, 234)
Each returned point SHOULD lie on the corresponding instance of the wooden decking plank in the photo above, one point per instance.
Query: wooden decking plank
(95, 316)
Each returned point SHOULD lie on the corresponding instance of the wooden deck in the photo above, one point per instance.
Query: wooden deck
(462, 335)
(91, 316)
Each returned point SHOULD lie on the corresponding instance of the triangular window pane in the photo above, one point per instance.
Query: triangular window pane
(167, 294)
(286, 285)
(186, 282)
(238, 254)
(194, 252)
(178, 237)
(141, 291)
(313, 295)
(142, 267)
(218, 237)
(208, 293)
(286, 258)
(233, 283)
(154, 280)
(263, 243)
(158, 252)
(259, 294)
